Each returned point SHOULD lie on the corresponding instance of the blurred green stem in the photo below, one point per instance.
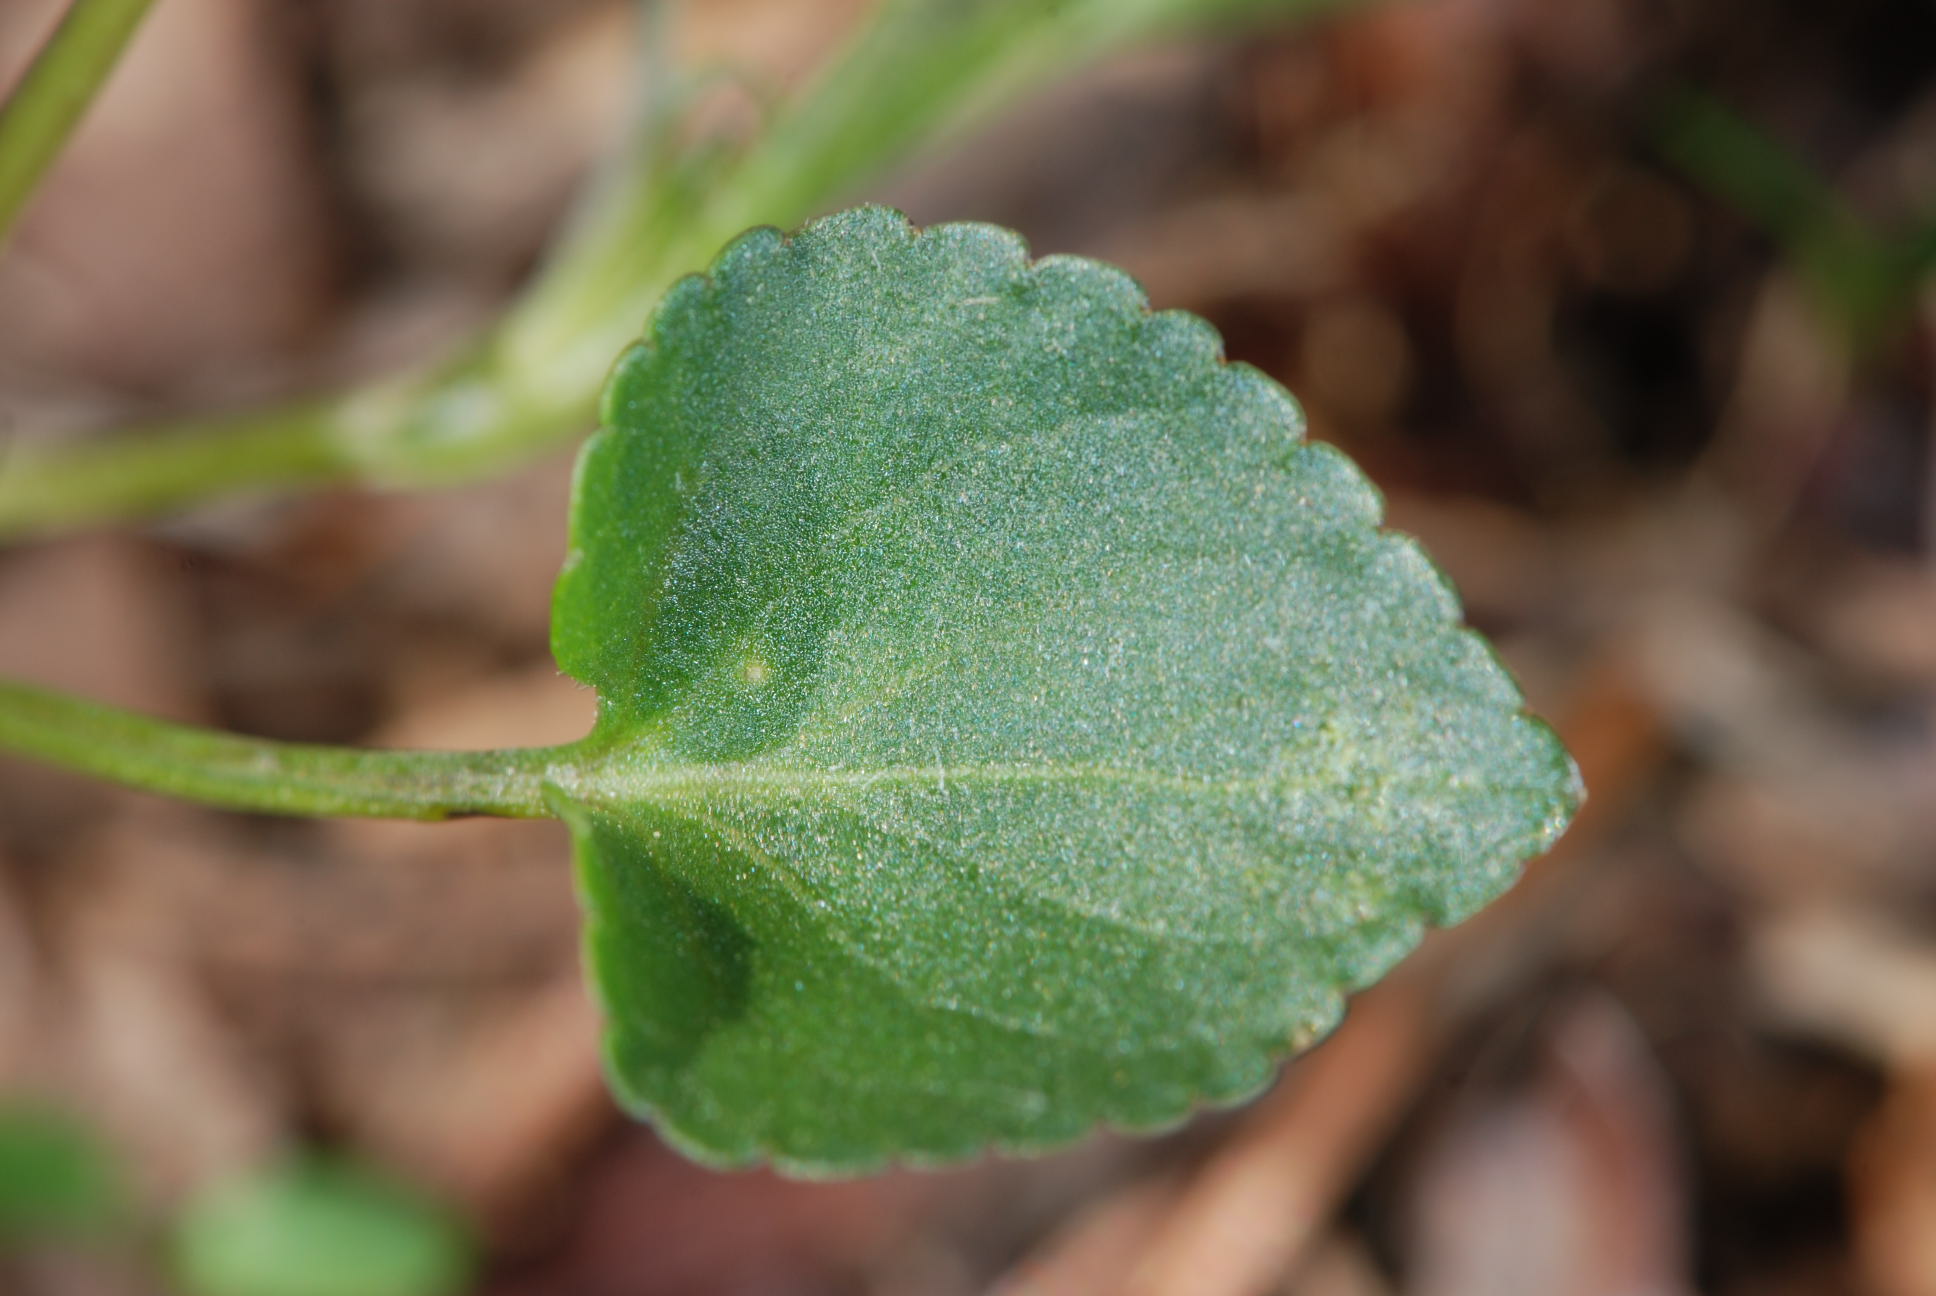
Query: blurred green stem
(1864, 279)
(55, 93)
(532, 380)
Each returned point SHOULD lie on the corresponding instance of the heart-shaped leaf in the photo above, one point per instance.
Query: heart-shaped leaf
(1006, 722)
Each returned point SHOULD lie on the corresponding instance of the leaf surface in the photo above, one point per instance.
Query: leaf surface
(1007, 722)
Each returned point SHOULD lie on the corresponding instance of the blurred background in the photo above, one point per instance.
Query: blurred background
(1625, 303)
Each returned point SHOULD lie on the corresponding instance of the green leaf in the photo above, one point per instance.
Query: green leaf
(318, 1228)
(57, 1181)
(1006, 723)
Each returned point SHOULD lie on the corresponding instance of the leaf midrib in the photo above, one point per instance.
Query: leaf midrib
(620, 778)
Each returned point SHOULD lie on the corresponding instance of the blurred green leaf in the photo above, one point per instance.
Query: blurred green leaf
(318, 1228)
(57, 1180)
(1006, 722)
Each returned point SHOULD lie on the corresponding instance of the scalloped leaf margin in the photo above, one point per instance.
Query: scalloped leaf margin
(1008, 723)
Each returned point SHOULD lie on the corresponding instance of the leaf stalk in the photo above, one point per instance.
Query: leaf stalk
(241, 773)
(917, 69)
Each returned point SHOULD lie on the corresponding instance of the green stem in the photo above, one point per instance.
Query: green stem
(171, 464)
(532, 381)
(241, 773)
(55, 93)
